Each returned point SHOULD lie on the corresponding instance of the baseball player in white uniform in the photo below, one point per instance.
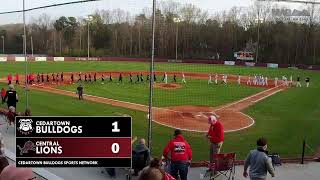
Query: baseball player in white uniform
(166, 78)
(184, 79)
(266, 80)
(262, 81)
(224, 79)
(210, 79)
(255, 80)
(276, 81)
(249, 80)
(298, 82)
(239, 79)
(284, 78)
(216, 79)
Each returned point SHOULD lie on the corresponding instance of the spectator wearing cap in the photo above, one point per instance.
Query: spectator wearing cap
(141, 156)
(215, 136)
(181, 155)
(11, 97)
(259, 162)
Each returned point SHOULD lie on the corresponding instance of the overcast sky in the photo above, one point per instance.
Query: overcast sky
(133, 6)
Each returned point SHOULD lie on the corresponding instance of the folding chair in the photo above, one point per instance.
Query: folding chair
(224, 164)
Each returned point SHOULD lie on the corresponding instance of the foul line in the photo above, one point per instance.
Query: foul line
(267, 96)
(244, 99)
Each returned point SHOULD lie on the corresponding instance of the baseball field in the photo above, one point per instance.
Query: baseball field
(285, 116)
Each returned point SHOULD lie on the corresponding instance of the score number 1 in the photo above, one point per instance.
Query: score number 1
(115, 127)
(115, 148)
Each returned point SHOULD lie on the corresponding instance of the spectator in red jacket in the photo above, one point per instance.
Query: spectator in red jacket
(9, 79)
(215, 136)
(3, 95)
(17, 79)
(181, 155)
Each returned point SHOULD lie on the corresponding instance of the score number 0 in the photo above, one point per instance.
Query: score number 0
(115, 148)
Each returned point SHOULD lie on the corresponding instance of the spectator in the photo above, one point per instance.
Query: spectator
(181, 155)
(141, 156)
(80, 92)
(3, 160)
(27, 112)
(259, 162)
(154, 172)
(11, 172)
(3, 95)
(112, 171)
(215, 135)
(11, 115)
(11, 97)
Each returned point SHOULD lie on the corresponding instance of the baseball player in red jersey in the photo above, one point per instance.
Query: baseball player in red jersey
(9, 78)
(17, 79)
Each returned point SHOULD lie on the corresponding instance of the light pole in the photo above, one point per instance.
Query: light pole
(2, 37)
(89, 20)
(177, 20)
(258, 41)
(151, 82)
(31, 45)
(25, 54)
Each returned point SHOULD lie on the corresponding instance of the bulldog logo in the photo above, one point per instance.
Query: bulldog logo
(25, 126)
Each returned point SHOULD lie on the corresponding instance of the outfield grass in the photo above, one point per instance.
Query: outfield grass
(285, 118)
(196, 92)
(45, 67)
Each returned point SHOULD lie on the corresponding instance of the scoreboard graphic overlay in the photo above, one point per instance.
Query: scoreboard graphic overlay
(73, 141)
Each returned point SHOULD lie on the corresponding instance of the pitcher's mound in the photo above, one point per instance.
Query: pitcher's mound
(167, 86)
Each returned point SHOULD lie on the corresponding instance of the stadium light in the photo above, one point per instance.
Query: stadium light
(177, 20)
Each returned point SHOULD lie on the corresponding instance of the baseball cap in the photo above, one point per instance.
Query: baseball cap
(177, 132)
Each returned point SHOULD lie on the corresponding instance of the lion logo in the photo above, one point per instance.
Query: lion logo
(28, 146)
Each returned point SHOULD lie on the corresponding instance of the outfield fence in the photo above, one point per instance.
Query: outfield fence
(17, 58)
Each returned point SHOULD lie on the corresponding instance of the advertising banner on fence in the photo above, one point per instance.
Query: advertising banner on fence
(174, 61)
(19, 59)
(58, 58)
(3, 59)
(272, 65)
(40, 58)
(250, 64)
(230, 63)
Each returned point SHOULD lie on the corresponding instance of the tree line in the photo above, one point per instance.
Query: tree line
(200, 33)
